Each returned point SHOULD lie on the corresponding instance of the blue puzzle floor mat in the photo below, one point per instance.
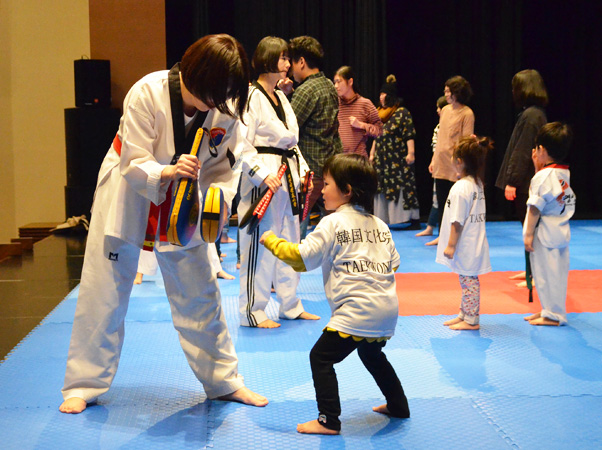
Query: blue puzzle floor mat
(508, 385)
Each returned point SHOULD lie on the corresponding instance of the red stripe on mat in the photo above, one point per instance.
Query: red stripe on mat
(427, 294)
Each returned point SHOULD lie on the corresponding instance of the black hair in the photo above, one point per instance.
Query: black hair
(528, 89)
(346, 73)
(473, 150)
(348, 169)
(215, 69)
(460, 88)
(309, 48)
(441, 102)
(389, 88)
(267, 55)
(556, 138)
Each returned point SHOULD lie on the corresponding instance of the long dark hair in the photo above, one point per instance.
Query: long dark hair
(346, 73)
(528, 89)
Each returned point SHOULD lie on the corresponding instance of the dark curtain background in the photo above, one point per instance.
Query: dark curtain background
(425, 43)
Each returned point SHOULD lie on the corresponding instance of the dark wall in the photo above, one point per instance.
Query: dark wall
(425, 43)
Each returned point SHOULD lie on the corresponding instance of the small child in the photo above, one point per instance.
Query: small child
(358, 260)
(546, 230)
(463, 245)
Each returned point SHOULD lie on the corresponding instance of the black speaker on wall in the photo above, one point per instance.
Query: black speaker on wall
(88, 136)
(92, 82)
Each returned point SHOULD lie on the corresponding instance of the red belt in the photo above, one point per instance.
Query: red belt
(155, 212)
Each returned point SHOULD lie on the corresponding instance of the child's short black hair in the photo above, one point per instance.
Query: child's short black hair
(355, 171)
(556, 138)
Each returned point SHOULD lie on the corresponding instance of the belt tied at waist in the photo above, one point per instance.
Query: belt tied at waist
(286, 154)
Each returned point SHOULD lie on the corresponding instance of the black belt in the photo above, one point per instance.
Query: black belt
(286, 153)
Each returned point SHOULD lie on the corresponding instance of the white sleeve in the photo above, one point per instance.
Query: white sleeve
(318, 244)
(543, 189)
(252, 164)
(459, 203)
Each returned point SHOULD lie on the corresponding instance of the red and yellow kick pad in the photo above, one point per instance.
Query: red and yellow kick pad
(184, 210)
(214, 214)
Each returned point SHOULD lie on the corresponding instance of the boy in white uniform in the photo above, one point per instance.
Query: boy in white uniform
(358, 259)
(546, 230)
(138, 169)
(272, 128)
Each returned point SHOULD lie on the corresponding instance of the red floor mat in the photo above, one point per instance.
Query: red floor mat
(425, 294)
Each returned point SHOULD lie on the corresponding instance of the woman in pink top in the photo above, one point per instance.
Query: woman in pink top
(358, 118)
(455, 122)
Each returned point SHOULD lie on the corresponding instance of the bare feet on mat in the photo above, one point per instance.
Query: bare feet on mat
(544, 321)
(382, 409)
(315, 427)
(73, 405)
(268, 323)
(426, 232)
(452, 321)
(464, 326)
(433, 242)
(307, 316)
(519, 276)
(246, 396)
(532, 317)
(225, 275)
(225, 239)
(523, 284)
(138, 279)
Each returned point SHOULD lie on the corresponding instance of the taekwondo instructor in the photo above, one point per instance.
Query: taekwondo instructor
(161, 114)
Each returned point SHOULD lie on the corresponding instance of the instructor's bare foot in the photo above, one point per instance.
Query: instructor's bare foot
(544, 321)
(73, 405)
(315, 427)
(532, 317)
(452, 322)
(426, 232)
(138, 279)
(433, 242)
(307, 316)
(382, 409)
(268, 323)
(246, 396)
(464, 326)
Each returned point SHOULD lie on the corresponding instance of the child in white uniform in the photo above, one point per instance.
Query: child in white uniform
(358, 259)
(138, 169)
(463, 245)
(273, 130)
(546, 230)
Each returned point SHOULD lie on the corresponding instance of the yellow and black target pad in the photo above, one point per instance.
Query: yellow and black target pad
(213, 215)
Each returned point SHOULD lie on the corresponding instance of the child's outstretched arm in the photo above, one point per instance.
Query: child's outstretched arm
(454, 235)
(531, 219)
(283, 250)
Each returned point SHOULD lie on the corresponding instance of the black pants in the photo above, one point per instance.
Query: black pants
(331, 349)
(442, 188)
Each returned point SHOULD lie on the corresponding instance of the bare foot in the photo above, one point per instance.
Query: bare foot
(433, 242)
(315, 427)
(138, 279)
(523, 284)
(426, 232)
(464, 326)
(519, 276)
(246, 396)
(307, 316)
(452, 322)
(532, 317)
(382, 409)
(268, 323)
(225, 239)
(225, 275)
(73, 405)
(544, 321)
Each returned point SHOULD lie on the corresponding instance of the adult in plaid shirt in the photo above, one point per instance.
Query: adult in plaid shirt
(316, 105)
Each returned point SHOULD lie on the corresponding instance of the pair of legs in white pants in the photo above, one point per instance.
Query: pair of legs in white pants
(98, 329)
(259, 269)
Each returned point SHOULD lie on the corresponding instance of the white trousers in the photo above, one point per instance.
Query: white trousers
(550, 267)
(259, 268)
(98, 329)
